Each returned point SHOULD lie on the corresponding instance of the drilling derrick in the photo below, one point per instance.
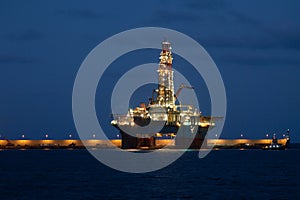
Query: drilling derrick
(165, 91)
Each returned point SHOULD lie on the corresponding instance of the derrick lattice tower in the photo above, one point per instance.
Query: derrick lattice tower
(165, 93)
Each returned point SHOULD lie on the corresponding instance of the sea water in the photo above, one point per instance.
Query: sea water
(223, 174)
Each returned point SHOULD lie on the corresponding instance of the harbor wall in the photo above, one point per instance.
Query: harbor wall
(117, 142)
(89, 143)
(234, 142)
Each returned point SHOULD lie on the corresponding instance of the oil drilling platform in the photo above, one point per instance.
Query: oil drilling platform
(142, 126)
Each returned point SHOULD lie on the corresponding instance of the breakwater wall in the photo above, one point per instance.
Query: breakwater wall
(117, 142)
(236, 142)
(70, 143)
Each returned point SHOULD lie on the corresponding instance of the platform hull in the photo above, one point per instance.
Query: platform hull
(186, 139)
(131, 142)
(190, 139)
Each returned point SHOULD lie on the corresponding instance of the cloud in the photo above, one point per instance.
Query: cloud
(253, 40)
(242, 19)
(206, 4)
(236, 30)
(172, 16)
(286, 37)
(250, 57)
(8, 59)
(80, 13)
(274, 34)
(29, 35)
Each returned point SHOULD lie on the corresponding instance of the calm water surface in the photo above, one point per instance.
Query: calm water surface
(223, 174)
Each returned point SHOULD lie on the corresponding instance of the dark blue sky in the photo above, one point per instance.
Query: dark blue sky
(255, 44)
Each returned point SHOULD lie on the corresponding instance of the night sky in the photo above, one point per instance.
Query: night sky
(255, 44)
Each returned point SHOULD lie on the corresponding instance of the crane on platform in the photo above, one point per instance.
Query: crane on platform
(180, 88)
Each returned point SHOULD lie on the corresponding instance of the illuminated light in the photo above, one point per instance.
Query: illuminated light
(46, 136)
(23, 136)
(94, 136)
(70, 136)
(158, 135)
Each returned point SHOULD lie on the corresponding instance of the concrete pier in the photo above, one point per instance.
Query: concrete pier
(221, 143)
(236, 142)
(59, 143)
